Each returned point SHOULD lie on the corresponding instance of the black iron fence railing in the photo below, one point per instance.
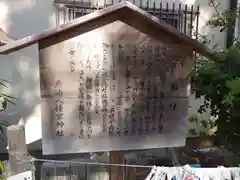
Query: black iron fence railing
(183, 17)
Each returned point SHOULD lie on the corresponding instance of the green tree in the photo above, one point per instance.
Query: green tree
(219, 83)
(1, 170)
(4, 102)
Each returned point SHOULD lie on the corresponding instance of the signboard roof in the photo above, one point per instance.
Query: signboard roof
(125, 12)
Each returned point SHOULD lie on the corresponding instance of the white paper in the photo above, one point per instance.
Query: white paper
(22, 176)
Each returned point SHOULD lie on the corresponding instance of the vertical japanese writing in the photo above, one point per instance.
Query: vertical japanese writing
(113, 70)
(157, 53)
(113, 65)
(71, 53)
(160, 90)
(160, 118)
(135, 78)
(128, 61)
(59, 110)
(119, 120)
(81, 108)
(174, 87)
(89, 64)
(178, 66)
(97, 83)
(113, 121)
(127, 118)
(123, 112)
(89, 88)
(134, 56)
(142, 55)
(149, 60)
(141, 92)
(140, 126)
(112, 92)
(148, 95)
(89, 124)
(81, 49)
(58, 87)
(142, 84)
(111, 128)
(59, 118)
(154, 107)
(145, 87)
(104, 86)
(128, 85)
(133, 119)
(136, 121)
(120, 56)
(173, 106)
(81, 116)
(119, 93)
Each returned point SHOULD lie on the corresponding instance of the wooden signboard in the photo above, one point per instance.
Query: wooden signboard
(106, 86)
(113, 88)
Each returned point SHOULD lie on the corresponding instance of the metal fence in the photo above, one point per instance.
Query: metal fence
(182, 17)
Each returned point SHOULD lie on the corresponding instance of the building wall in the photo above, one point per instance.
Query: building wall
(25, 17)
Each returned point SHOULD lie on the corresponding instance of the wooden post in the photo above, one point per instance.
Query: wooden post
(17, 150)
(116, 173)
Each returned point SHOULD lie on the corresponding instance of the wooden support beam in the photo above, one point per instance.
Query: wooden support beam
(17, 149)
(116, 172)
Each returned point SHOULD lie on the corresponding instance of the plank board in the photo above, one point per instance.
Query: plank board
(113, 88)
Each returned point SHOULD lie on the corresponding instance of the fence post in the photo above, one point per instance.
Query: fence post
(17, 150)
(116, 173)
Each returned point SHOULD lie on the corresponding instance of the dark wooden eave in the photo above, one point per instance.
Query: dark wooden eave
(125, 12)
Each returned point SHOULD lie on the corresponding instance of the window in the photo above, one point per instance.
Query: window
(182, 18)
(172, 18)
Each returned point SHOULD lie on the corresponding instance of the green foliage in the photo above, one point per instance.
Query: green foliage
(205, 124)
(234, 160)
(222, 18)
(3, 125)
(219, 83)
(192, 132)
(5, 100)
(1, 170)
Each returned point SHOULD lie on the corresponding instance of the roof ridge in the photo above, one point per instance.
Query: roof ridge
(109, 15)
